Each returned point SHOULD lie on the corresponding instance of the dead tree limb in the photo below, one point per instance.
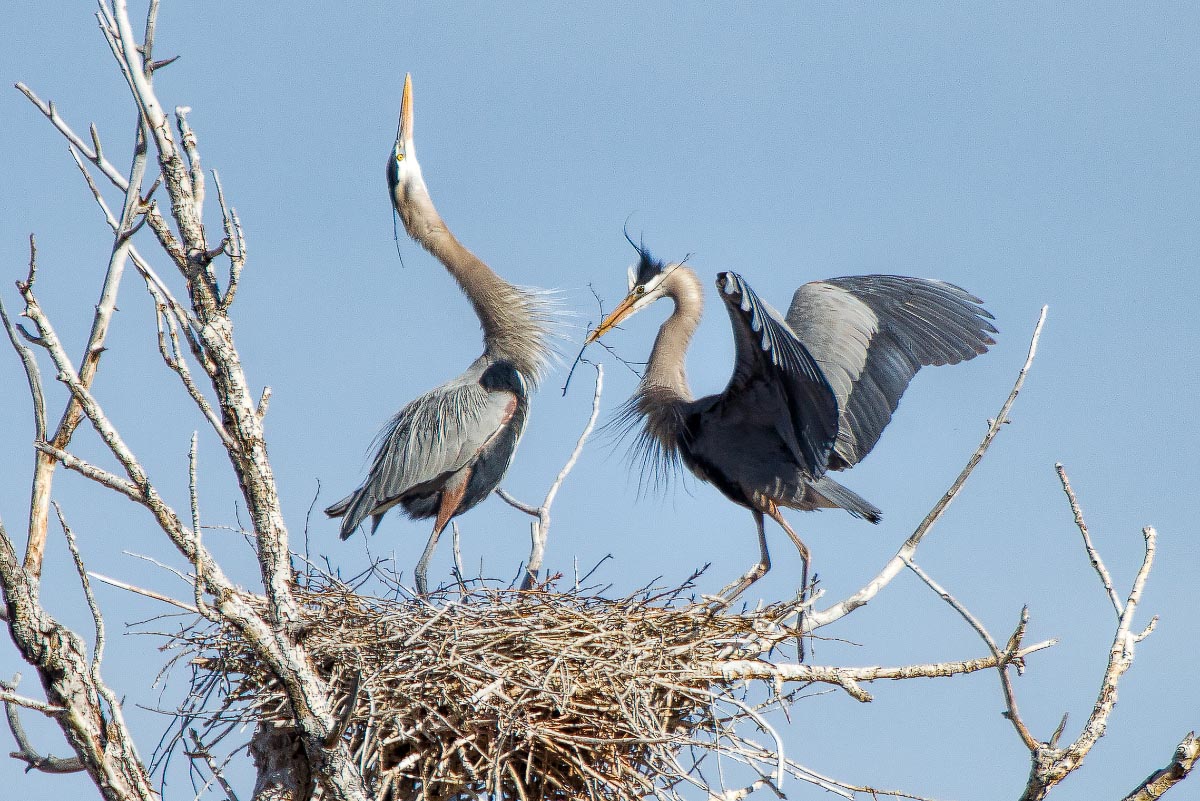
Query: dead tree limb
(25, 750)
(1182, 761)
(815, 619)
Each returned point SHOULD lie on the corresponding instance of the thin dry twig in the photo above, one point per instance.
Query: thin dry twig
(1010, 696)
(1093, 554)
(158, 596)
(199, 751)
(28, 361)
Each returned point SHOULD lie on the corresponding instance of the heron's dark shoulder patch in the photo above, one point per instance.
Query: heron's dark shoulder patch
(501, 376)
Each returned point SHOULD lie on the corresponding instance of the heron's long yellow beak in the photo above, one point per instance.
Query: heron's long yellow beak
(610, 322)
(405, 133)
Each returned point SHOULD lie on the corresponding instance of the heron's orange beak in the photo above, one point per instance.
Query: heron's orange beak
(610, 322)
(405, 134)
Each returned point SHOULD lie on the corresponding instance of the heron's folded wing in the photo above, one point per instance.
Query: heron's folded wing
(767, 350)
(435, 435)
(872, 333)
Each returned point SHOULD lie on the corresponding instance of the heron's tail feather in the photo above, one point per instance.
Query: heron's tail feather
(353, 510)
(338, 509)
(836, 495)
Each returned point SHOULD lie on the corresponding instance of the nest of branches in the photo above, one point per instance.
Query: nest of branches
(521, 694)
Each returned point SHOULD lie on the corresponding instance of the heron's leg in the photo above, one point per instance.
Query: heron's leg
(773, 511)
(423, 565)
(452, 495)
(755, 573)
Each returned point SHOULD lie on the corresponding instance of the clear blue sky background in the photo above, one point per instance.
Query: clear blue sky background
(1031, 153)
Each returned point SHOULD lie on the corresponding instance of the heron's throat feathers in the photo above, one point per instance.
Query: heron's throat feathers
(661, 410)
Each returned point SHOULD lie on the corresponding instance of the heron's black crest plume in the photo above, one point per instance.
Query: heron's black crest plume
(648, 266)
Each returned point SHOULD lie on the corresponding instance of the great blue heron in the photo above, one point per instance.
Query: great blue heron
(447, 450)
(810, 392)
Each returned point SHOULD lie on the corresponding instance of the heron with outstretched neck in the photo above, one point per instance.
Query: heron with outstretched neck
(447, 450)
(811, 390)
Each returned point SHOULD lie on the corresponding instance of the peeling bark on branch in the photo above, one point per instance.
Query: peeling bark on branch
(100, 740)
(1156, 784)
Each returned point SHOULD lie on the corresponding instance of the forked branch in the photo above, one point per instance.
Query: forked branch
(818, 618)
(25, 751)
(539, 529)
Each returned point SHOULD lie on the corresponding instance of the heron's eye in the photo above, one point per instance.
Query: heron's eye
(399, 157)
(640, 289)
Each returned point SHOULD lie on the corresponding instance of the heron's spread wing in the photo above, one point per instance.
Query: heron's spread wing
(871, 333)
(768, 351)
(432, 437)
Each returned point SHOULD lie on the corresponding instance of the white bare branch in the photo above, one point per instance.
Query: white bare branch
(816, 619)
(539, 529)
(158, 596)
(1154, 786)
(1093, 554)
(1010, 696)
(848, 678)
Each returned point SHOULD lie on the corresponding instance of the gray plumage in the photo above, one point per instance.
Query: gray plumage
(810, 392)
(447, 450)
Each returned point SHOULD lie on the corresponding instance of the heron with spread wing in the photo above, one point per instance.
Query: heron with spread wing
(811, 391)
(447, 450)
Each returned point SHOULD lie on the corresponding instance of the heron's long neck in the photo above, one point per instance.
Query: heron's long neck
(514, 321)
(664, 388)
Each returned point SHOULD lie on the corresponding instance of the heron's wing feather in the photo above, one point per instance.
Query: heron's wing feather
(432, 437)
(872, 333)
(767, 350)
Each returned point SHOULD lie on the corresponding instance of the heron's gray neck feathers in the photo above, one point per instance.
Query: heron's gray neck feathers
(515, 322)
(664, 391)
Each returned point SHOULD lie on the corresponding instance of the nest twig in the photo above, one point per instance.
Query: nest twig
(522, 695)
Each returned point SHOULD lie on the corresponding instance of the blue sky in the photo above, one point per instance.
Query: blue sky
(1033, 155)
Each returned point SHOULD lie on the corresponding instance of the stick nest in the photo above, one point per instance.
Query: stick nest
(517, 694)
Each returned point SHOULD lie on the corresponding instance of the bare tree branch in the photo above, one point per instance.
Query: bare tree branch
(25, 750)
(816, 619)
(28, 360)
(158, 596)
(103, 745)
(1052, 765)
(199, 751)
(848, 678)
(1182, 761)
(1093, 554)
(89, 596)
(8, 695)
(44, 465)
(539, 529)
(92, 154)
(1010, 697)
